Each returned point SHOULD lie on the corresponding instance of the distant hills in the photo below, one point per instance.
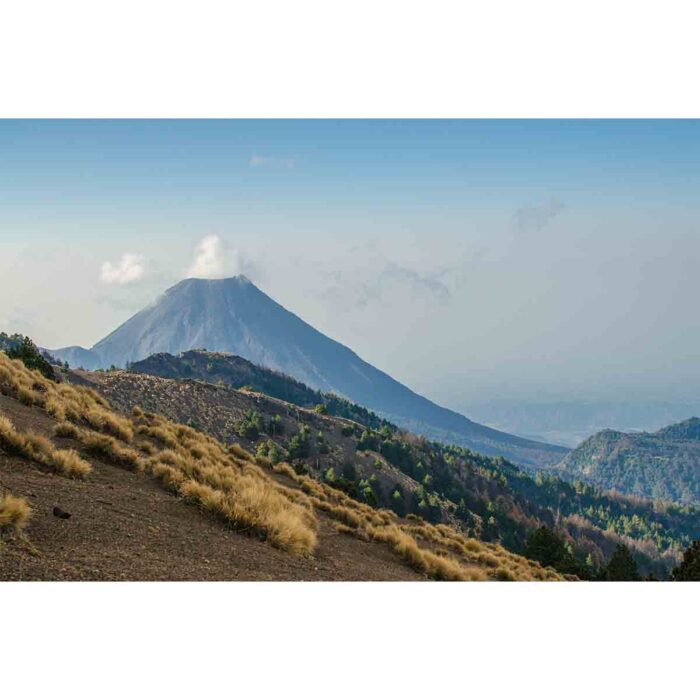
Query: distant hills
(232, 315)
(662, 465)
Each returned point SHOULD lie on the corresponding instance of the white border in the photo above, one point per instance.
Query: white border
(338, 640)
(378, 58)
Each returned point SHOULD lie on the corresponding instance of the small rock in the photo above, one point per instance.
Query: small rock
(61, 513)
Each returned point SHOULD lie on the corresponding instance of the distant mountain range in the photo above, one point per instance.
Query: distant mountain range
(232, 315)
(663, 465)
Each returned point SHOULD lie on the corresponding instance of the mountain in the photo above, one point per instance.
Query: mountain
(76, 356)
(662, 465)
(232, 315)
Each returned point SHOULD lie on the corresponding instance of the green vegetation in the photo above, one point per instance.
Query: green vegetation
(550, 549)
(250, 426)
(299, 444)
(621, 567)
(664, 465)
(689, 568)
(23, 348)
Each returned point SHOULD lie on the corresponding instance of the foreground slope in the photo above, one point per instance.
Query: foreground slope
(663, 465)
(125, 527)
(378, 463)
(139, 497)
(234, 316)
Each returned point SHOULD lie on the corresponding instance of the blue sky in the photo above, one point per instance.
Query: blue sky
(348, 163)
(465, 257)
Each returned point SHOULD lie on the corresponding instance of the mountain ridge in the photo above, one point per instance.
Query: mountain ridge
(661, 465)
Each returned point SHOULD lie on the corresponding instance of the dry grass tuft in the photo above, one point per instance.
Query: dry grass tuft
(14, 513)
(236, 450)
(70, 463)
(66, 430)
(110, 423)
(40, 449)
(110, 449)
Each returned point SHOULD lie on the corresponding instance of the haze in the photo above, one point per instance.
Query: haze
(480, 262)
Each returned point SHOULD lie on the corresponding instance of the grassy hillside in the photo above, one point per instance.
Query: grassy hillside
(664, 465)
(61, 441)
(485, 498)
(236, 372)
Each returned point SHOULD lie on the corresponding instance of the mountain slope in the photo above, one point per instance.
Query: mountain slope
(662, 465)
(91, 479)
(233, 315)
(483, 497)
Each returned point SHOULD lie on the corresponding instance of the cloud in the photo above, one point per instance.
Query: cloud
(392, 279)
(257, 161)
(131, 268)
(425, 286)
(534, 217)
(215, 260)
(210, 259)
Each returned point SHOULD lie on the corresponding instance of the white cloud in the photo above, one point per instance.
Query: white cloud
(131, 268)
(257, 161)
(210, 260)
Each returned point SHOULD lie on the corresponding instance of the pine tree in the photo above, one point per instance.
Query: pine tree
(32, 358)
(689, 568)
(545, 546)
(621, 567)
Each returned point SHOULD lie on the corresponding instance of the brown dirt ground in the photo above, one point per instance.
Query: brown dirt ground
(125, 527)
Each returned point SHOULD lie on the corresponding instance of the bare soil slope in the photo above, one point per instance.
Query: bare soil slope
(124, 526)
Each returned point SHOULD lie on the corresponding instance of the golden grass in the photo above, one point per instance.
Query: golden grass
(66, 430)
(438, 551)
(110, 449)
(106, 422)
(70, 463)
(434, 565)
(238, 451)
(14, 513)
(225, 482)
(40, 449)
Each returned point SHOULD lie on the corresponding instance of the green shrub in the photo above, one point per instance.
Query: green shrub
(31, 357)
(250, 426)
